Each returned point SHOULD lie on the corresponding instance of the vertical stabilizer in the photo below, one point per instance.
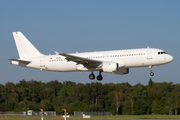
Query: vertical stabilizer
(24, 47)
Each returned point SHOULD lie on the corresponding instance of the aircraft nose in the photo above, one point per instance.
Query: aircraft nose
(170, 58)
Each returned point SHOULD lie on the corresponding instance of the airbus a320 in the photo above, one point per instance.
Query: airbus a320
(116, 61)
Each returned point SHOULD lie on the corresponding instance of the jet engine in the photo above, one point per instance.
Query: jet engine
(122, 71)
(110, 67)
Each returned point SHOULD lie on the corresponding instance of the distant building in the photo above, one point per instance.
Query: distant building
(30, 112)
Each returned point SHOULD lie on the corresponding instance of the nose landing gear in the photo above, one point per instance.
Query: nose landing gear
(151, 73)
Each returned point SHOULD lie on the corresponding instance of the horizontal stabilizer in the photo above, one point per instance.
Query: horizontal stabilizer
(22, 61)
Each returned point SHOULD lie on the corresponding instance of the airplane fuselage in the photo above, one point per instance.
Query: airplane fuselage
(115, 61)
(129, 58)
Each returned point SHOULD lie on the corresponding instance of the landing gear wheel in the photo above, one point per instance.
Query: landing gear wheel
(99, 77)
(91, 76)
(151, 73)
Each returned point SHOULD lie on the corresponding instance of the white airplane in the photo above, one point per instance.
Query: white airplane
(116, 61)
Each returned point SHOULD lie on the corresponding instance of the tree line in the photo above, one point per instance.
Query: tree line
(121, 98)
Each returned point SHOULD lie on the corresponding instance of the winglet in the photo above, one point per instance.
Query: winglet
(56, 53)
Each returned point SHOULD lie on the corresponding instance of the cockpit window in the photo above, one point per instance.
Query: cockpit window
(161, 53)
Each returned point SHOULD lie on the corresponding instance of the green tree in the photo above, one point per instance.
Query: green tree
(139, 107)
(150, 83)
(117, 98)
(127, 108)
(67, 93)
(46, 105)
(176, 94)
(157, 107)
(96, 91)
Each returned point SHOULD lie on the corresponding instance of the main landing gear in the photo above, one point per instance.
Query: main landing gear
(99, 77)
(151, 73)
(92, 76)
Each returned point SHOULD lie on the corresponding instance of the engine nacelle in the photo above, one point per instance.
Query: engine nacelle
(122, 71)
(110, 67)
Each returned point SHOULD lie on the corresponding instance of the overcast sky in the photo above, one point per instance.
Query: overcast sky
(90, 25)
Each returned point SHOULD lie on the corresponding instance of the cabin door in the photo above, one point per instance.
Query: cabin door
(149, 54)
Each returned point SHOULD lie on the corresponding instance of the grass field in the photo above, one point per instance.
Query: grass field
(115, 117)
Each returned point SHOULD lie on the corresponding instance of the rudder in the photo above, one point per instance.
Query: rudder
(24, 46)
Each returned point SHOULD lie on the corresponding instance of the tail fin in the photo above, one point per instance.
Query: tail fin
(24, 47)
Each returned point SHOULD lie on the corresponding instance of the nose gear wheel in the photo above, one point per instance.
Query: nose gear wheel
(151, 73)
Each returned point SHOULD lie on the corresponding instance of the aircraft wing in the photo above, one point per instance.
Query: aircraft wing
(88, 63)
